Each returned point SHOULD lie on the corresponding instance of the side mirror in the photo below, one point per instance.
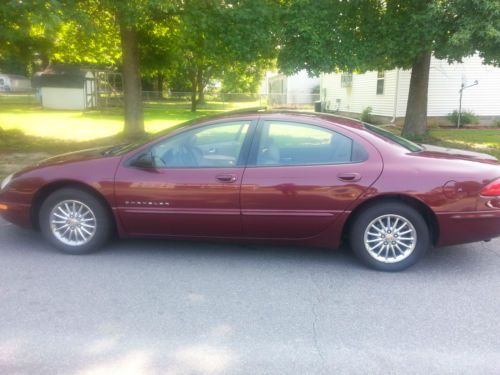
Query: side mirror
(145, 161)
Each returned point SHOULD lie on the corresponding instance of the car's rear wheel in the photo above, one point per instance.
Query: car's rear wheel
(75, 221)
(389, 236)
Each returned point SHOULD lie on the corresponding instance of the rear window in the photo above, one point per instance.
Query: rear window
(409, 145)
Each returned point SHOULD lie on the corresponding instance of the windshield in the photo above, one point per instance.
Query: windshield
(409, 145)
(125, 147)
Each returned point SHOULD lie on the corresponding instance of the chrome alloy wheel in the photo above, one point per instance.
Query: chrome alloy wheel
(73, 223)
(390, 238)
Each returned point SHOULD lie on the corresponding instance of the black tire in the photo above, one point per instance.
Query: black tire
(103, 221)
(397, 210)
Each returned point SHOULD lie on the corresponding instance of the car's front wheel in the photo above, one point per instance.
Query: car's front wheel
(75, 221)
(389, 236)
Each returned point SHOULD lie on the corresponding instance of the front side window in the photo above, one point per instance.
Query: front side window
(216, 145)
(288, 143)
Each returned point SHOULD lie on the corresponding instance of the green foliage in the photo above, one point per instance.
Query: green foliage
(25, 29)
(227, 40)
(332, 35)
(244, 77)
(324, 36)
(366, 115)
(466, 117)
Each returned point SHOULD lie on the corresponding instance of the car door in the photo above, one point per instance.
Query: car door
(193, 190)
(300, 177)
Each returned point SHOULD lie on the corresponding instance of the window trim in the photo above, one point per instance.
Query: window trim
(254, 151)
(346, 79)
(380, 78)
(242, 158)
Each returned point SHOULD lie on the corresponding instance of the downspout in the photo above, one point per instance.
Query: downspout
(394, 111)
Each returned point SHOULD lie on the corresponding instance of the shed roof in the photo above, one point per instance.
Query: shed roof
(63, 76)
(13, 76)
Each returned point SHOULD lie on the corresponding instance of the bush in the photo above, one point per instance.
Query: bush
(467, 117)
(496, 123)
(366, 115)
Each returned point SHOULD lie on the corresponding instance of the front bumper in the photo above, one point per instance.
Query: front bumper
(16, 213)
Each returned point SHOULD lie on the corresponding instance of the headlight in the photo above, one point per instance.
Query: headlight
(6, 181)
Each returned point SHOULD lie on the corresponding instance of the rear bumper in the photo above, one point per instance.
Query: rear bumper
(16, 213)
(463, 227)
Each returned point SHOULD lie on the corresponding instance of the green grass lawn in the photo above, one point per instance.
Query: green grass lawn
(484, 140)
(29, 128)
(90, 125)
(480, 140)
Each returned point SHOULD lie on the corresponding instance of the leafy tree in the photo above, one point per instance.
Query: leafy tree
(360, 35)
(214, 37)
(110, 31)
(244, 78)
(25, 27)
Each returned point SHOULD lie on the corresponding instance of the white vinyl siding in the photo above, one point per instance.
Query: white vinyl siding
(444, 84)
(445, 81)
(361, 94)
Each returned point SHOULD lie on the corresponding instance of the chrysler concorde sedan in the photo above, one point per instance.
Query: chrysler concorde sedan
(288, 177)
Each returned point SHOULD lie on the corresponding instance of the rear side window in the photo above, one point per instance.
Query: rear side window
(289, 143)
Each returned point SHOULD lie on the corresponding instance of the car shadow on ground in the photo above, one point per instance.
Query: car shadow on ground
(463, 258)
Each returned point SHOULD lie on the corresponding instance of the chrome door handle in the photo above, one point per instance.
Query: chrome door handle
(226, 177)
(349, 177)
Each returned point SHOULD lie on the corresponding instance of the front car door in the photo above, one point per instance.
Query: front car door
(193, 189)
(300, 177)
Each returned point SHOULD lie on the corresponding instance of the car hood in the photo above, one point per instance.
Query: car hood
(83, 155)
(452, 153)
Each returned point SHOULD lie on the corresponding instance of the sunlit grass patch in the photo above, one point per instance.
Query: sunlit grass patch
(80, 126)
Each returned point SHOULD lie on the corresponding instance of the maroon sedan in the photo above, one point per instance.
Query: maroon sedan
(265, 176)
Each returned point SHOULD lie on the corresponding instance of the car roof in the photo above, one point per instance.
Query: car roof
(284, 114)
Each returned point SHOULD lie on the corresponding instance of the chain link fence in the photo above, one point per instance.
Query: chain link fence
(218, 100)
(19, 98)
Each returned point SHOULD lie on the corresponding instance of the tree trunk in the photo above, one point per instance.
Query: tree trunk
(132, 88)
(159, 82)
(193, 91)
(201, 86)
(416, 110)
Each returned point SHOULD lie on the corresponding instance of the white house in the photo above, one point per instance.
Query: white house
(14, 83)
(386, 92)
(295, 90)
(66, 87)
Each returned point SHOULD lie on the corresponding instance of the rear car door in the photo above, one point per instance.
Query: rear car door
(301, 176)
(193, 189)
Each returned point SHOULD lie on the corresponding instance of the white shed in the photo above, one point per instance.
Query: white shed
(14, 83)
(294, 90)
(387, 91)
(66, 87)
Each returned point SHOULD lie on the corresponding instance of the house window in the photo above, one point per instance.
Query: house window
(346, 79)
(380, 82)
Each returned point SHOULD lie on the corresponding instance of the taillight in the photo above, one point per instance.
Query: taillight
(492, 189)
